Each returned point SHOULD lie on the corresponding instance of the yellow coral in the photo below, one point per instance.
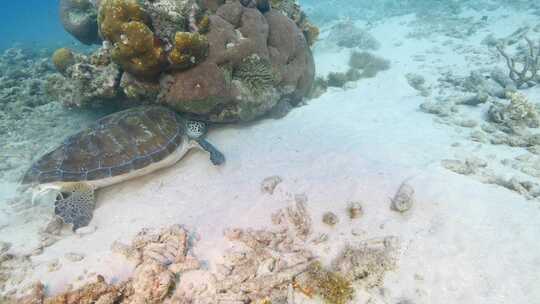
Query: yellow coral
(204, 24)
(113, 14)
(136, 49)
(311, 33)
(62, 59)
(332, 287)
(138, 52)
(189, 49)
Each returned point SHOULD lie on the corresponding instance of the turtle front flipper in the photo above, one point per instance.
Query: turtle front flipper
(217, 158)
(75, 204)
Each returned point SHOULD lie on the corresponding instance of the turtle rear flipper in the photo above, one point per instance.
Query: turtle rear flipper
(217, 158)
(75, 204)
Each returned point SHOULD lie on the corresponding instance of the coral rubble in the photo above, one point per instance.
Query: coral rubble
(260, 266)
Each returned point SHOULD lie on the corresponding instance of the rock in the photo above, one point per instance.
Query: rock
(354, 210)
(330, 218)
(54, 265)
(54, 226)
(4, 247)
(441, 109)
(79, 18)
(85, 230)
(269, 184)
(74, 257)
(404, 198)
(85, 84)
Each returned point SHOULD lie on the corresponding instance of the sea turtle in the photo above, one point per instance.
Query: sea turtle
(118, 147)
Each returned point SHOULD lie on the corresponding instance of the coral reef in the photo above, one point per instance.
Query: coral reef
(62, 59)
(84, 84)
(220, 62)
(216, 90)
(31, 121)
(169, 17)
(79, 18)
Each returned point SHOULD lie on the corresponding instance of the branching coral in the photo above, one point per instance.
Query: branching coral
(530, 64)
(189, 49)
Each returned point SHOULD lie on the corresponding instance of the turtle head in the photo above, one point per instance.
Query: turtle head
(196, 129)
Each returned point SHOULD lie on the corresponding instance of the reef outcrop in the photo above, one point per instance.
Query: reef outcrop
(220, 62)
(79, 18)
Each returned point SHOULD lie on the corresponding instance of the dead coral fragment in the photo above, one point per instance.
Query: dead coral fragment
(62, 59)
(368, 263)
(518, 113)
(332, 287)
(189, 49)
(256, 73)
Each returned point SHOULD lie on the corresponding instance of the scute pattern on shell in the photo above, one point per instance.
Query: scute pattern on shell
(116, 144)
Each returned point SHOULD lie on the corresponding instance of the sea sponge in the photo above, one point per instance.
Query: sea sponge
(255, 73)
(62, 59)
(138, 52)
(189, 49)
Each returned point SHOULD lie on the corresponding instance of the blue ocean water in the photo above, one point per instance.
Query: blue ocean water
(31, 22)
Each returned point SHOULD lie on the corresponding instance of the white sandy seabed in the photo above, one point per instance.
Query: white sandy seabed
(462, 242)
